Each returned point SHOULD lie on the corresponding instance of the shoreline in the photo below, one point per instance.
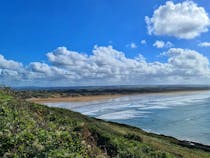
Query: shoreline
(183, 142)
(178, 141)
(74, 99)
(104, 96)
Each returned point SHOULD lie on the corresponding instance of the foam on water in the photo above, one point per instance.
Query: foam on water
(123, 115)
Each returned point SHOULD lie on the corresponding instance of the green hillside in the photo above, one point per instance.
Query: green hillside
(32, 130)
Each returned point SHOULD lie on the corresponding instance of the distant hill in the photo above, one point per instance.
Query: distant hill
(33, 130)
(165, 86)
(45, 92)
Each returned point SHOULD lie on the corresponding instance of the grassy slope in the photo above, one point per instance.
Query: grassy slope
(32, 130)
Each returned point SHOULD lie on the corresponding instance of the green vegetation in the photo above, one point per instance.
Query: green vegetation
(32, 130)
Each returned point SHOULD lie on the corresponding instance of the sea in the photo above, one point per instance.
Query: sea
(183, 115)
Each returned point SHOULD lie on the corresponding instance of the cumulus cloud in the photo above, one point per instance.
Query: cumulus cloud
(10, 71)
(162, 44)
(9, 64)
(143, 42)
(187, 62)
(184, 20)
(107, 66)
(9, 67)
(37, 70)
(159, 44)
(132, 45)
(204, 44)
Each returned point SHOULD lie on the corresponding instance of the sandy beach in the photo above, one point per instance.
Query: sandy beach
(73, 99)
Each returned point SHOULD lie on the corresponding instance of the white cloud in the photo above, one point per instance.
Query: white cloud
(187, 62)
(107, 66)
(184, 20)
(159, 44)
(162, 44)
(143, 42)
(204, 44)
(132, 45)
(42, 70)
(10, 71)
(168, 44)
(9, 64)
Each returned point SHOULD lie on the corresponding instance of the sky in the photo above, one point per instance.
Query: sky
(104, 42)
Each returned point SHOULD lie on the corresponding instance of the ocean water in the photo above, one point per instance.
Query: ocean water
(185, 115)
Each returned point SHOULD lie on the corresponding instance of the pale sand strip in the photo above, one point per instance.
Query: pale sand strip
(73, 99)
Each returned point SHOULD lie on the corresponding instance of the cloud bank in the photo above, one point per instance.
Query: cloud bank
(106, 66)
(184, 20)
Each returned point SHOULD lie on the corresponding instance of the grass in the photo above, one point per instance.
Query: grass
(33, 130)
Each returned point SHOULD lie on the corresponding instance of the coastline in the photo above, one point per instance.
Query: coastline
(182, 142)
(63, 120)
(74, 99)
(104, 96)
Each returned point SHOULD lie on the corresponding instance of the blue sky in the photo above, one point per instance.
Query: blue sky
(30, 29)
